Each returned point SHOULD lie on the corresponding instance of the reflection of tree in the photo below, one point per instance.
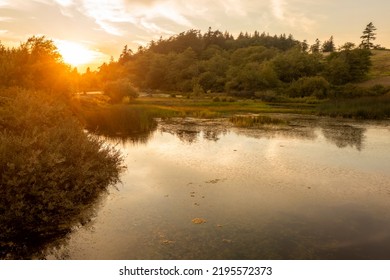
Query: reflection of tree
(211, 135)
(131, 138)
(188, 130)
(46, 238)
(189, 136)
(302, 132)
(345, 135)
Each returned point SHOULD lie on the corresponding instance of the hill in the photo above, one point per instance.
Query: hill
(380, 70)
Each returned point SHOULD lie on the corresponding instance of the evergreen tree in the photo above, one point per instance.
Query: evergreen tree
(315, 48)
(368, 36)
(328, 46)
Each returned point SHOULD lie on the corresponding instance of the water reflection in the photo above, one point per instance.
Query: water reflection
(189, 130)
(345, 136)
(48, 235)
(341, 135)
(272, 193)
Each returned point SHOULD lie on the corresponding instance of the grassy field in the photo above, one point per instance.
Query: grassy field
(380, 69)
(205, 107)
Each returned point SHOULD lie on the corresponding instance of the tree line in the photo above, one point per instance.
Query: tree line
(250, 63)
(194, 62)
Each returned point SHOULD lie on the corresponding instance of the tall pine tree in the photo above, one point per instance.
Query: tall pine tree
(368, 36)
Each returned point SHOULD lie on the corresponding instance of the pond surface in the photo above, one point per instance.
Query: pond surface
(316, 189)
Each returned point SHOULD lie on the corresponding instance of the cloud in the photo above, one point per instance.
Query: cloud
(6, 19)
(294, 18)
(106, 14)
(65, 3)
(277, 7)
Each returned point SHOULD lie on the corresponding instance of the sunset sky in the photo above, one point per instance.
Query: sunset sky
(89, 32)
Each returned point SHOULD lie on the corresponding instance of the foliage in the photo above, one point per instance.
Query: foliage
(295, 64)
(119, 119)
(347, 66)
(368, 36)
(328, 46)
(309, 86)
(218, 62)
(119, 89)
(35, 64)
(316, 47)
(51, 171)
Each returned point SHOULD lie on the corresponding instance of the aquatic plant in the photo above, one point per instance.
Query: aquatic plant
(255, 121)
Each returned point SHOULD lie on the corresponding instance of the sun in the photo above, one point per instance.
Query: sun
(75, 54)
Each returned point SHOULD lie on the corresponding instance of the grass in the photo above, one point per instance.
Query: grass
(375, 107)
(256, 121)
(379, 73)
(205, 107)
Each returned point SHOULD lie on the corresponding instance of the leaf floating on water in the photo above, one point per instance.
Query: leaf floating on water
(167, 242)
(196, 204)
(218, 225)
(198, 221)
(227, 241)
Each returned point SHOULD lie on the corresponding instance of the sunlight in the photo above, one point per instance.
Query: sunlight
(75, 54)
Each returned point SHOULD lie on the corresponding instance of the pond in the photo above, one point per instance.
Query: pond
(318, 188)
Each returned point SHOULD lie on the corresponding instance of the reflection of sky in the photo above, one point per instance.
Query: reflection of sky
(261, 189)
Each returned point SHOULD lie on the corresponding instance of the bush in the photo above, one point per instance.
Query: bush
(119, 89)
(51, 172)
(309, 86)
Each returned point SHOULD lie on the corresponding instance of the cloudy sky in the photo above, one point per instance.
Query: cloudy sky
(91, 31)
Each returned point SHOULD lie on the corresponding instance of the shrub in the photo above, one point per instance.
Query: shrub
(119, 89)
(51, 171)
(309, 86)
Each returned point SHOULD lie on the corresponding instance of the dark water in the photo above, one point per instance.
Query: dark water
(317, 189)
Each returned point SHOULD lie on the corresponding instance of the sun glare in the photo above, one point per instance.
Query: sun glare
(75, 54)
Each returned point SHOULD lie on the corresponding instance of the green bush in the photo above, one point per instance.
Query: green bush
(119, 89)
(51, 171)
(309, 86)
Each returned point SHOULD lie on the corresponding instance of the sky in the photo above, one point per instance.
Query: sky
(90, 32)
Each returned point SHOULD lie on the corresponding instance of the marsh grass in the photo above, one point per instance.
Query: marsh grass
(211, 108)
(374, 107)
(256, 121)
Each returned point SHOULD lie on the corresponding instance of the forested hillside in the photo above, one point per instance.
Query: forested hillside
(243, 66)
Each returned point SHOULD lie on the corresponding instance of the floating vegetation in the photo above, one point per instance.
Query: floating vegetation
(198, 221)
(249, 121)
(167, 242)
(215, 181)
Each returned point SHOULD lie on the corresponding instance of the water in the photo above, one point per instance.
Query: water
(317, 189)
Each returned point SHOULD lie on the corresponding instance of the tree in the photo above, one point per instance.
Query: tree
(315, 48)
(347, 66)
(328, 46)
(368, 36)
